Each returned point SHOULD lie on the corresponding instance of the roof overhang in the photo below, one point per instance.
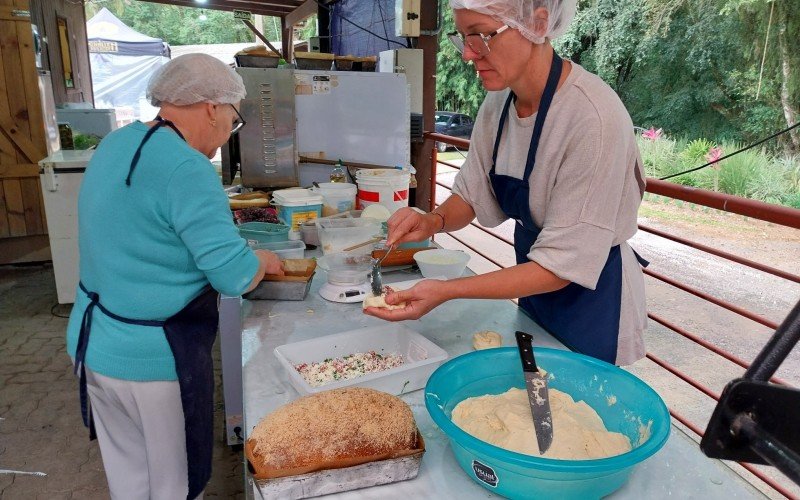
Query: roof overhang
(293, 10)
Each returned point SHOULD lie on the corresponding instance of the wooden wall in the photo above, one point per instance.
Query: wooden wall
(44, 14)
(22, 142)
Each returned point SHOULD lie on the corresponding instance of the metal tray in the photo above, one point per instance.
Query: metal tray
(280, 290)
(326, 482)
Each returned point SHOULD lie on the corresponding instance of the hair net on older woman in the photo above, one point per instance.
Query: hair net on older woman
(518, 14)
(193, 78)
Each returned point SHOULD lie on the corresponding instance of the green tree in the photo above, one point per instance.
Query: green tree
(182, 25)
(458, 87)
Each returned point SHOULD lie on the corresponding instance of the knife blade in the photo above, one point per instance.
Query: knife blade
(538, 397)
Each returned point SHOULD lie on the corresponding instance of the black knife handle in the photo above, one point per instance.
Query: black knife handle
(525, 344)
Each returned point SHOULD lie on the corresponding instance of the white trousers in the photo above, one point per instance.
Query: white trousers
(141, 435)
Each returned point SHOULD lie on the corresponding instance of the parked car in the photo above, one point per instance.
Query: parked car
(455, 124)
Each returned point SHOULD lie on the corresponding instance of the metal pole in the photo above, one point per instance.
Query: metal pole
(773, 451)
(778, 347)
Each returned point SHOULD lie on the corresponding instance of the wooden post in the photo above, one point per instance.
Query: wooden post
(421, 151)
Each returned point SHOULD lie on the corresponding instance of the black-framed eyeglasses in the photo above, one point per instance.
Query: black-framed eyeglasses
(239, 123)
(477, 42)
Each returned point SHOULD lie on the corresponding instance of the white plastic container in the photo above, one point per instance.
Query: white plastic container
(336, 197)
(421, 358)
(441, 262)
(296, 206)
(386, 186)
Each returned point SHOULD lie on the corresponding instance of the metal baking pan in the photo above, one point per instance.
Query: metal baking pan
(279, 290)
(293, 285)
(331, 481)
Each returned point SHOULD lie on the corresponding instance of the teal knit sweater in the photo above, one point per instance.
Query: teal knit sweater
(149, 248)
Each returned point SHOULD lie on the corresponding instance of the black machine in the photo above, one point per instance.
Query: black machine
(756, 421)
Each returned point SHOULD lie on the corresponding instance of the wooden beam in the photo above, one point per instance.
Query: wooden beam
(287, 40)
(22, 170)
(18, 137)
(253, 7)
(258, 34)
(303, 12)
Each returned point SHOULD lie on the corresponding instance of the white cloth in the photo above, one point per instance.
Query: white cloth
(141, 434)
(585, 189)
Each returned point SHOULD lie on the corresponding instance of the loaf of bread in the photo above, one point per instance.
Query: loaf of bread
(331, 430)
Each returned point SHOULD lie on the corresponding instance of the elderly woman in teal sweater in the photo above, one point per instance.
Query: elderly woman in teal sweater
(157, 245)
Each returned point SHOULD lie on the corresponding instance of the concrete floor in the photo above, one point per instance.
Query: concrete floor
(40, 420)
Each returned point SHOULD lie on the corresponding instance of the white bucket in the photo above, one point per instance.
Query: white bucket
(336, 197)
(386, 186)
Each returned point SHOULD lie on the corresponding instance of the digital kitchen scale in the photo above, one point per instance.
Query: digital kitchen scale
(344, 293)
(347, 277)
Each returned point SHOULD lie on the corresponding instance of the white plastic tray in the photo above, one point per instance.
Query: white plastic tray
(421, 358)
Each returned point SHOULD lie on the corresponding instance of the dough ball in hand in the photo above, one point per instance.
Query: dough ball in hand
(372, 300)
(486, 340)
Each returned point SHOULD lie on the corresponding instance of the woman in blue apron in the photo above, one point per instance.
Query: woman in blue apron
(556, 153)
(157, 245)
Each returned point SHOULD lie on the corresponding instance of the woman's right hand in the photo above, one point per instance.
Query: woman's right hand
(270, 262)
(409, 225)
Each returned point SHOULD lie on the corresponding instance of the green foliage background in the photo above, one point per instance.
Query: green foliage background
(690, 67)
(182, 25)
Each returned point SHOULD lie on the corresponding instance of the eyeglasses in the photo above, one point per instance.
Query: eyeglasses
(239, 123)
(477, 42)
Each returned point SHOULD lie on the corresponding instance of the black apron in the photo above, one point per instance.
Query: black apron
(584, 320)
(190, 333)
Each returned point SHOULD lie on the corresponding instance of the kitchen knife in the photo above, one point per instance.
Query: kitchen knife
(536, 386)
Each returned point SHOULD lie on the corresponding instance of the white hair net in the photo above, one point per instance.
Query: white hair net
(193, 78)
(518, 14)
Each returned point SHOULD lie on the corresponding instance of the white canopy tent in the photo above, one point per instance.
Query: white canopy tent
(122, 61)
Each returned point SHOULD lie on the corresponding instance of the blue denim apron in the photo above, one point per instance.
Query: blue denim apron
(190, 334)
(584, 320)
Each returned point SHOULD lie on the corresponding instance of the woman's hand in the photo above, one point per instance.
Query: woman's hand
(420, 300)
(409, 225)
(270, 262)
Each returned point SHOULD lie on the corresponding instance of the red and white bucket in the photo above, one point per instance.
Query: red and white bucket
(385, 186)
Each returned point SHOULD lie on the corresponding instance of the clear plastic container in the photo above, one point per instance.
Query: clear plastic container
(337, 234)
(283, 249)
(421, 358)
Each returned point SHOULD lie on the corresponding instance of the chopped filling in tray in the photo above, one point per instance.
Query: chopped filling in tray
(347, 367)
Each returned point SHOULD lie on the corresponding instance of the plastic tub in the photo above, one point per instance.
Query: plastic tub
(336, 197)
(296, 206)
(283, 249)
(345, 268)
(337, 234)
(625, 403)
(441, 262)
(421, 358)
(263, 232)
(386, 186)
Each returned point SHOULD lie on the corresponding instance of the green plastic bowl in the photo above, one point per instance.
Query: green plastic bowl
(263, 232)
(635, 410)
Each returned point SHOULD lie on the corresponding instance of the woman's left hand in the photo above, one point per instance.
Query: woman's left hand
(420, 300)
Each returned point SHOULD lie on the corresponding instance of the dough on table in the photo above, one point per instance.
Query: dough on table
(505, 420)
(379, 301)
(486, 340)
